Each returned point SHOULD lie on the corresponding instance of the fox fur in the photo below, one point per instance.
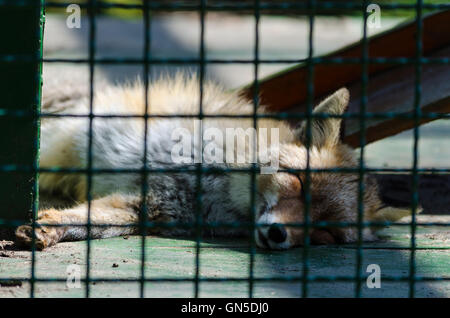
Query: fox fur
(118, 143)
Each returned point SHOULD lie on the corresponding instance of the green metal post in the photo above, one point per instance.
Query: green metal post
(21, 35)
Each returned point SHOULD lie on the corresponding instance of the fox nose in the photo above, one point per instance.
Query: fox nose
(277, 233)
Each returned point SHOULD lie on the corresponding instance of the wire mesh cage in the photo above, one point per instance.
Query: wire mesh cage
(20, 166)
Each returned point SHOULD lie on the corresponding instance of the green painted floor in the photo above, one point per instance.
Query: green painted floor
(175, 258)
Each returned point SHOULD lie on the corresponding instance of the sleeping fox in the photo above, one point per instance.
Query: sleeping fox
(118, 143)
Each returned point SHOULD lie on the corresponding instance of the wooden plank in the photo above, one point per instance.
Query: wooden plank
(287, 91)
(393, 91)
(288, 88)
(20, 84)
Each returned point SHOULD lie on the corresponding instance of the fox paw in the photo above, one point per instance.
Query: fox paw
(44, 236)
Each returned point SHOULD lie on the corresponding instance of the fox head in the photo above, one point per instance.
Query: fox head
(333, 195)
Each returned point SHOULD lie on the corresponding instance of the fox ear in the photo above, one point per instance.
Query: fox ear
(325, 131)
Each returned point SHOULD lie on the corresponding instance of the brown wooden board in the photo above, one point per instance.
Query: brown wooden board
(388, 83)
(393, 91)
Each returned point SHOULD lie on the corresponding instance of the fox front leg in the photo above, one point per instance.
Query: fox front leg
(119, 213)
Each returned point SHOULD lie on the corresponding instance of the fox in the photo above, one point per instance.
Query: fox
(130, 141)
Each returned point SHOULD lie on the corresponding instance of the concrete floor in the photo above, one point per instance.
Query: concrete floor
(120, 258)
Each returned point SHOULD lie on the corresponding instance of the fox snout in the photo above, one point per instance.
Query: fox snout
(274, 232)
(273, 237)
(279, 227)
(278, 236)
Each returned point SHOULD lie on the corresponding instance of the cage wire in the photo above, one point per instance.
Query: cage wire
(147, 60)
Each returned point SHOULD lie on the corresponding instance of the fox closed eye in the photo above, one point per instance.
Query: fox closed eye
(302, 191)
(302, 186)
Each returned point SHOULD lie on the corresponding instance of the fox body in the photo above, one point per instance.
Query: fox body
(119, 143)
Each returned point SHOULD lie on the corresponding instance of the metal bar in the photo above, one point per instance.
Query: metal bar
(212, 225)
(311, 278)
(199, 170)
(20, 91)
(280, 116)
(285, 7)
(362, 143)
(253, 173)
(310, 90)
(417, 113)
(20, 88)
(144, 185)
(92, 51)
(20, 58)
(210, 170)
